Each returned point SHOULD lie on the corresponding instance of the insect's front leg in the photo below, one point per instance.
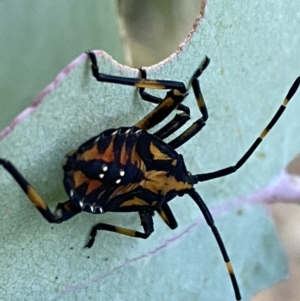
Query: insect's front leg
(165, 106)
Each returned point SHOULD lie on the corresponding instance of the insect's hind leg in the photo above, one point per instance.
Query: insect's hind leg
(63, 211)
(146, 221)
(210, 221)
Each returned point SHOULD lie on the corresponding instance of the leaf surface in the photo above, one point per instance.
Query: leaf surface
(243, 86)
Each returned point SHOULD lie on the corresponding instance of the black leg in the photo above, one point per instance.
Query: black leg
(231, 169)
(209, 220)
(146, 221)
(200, 123)
(63, 212)
(166, 214)
(148, 97)
(136, 82)
(177, 122)
(187, 134)
(171, 102)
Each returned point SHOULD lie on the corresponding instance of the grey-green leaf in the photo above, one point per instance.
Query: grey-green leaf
(251, 70)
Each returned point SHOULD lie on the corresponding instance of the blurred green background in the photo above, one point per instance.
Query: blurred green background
(39, 38)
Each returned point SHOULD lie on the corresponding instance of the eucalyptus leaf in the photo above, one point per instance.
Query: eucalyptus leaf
(243, 87)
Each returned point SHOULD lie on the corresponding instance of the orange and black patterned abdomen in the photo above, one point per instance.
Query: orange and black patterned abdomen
(123, 169)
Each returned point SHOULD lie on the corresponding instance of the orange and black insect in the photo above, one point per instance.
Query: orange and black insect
(130, 170)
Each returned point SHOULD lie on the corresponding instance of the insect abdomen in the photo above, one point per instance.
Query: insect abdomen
(104, 166)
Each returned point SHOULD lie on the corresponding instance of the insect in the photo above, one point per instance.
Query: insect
(130, 170)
